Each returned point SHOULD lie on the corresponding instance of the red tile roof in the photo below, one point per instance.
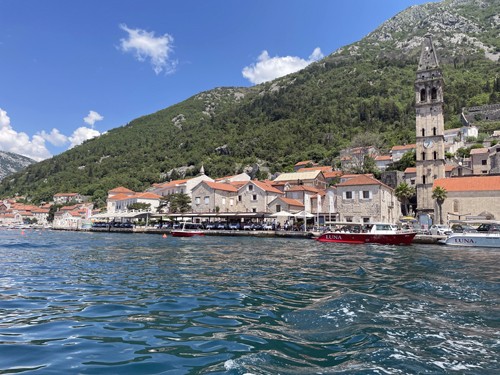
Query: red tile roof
(292, 202)
(267, 187)
(485, 183)
(303, 188)
(333, 174)
(411, 170)
(303, 162)
(65, 194)
(118, 197)
(120, 189)
(322, 169)
(362, 180)
(218, 186)
(384, 157)
(68, 208)
(448, 168)
(478, 151)
(171, 183)
(407, 147)
(143, 195)
(356, 175)
(41, 211)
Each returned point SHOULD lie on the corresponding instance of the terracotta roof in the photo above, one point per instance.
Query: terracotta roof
(333, 174)
(486, 183)
(68, 208)
(267, 187)
(73, 213)
(448, 168)
(118, 197)
(40, 211)
(8, 215)
(225, 178)
(411, 170)
(26, 213)
(478, 151)
(291, 202)
(303, 188)
(120, 189)
(384, 157)
(320, 193)
(65, 194)
(171, 183)
(322, 169)
(346, 158)
(407, 147)
(303, 162)
(238, 184)
(362, 180)
(142, 195)
(47, 205)
(219, 186)
(356, 175)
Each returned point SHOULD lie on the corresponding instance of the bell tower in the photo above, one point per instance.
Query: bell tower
(429, 107)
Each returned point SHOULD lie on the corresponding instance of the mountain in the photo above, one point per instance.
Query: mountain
(360, 94)
(11, 163)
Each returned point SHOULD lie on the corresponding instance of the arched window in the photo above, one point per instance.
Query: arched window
(455, 206)
(422, 95)
(423, 155)
(423, 132)
(433, 131)
(435, 155)
(433, 93)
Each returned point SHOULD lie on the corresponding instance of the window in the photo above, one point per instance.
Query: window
(207, 200)
(484, 171)
(223, 200)
(433, 131)
(239, 198)
(412, 181)
(435, 155)
(366, 194)
(366, 220)
(278, 208)
(348, 219)
(422, 95)
(197, 199)
(182, 191)
(423, 180)
(455, 206)
(348, 195)
(423, 155)
(423, 132)
(231, 201)
(483, 162)
(250, 187)
(254, 197)
(254, 210)
(433, 93)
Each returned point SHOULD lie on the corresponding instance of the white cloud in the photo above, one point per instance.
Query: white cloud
(92, 118)
(54, 137)
(267, 68)
(145, 45)
(81, 134)
(20, 143)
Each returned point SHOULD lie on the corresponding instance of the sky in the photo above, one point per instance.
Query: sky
(71, 70)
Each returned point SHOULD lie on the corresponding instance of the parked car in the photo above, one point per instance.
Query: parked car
(440, 230)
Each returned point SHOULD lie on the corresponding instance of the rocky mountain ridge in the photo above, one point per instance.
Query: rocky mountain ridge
(11, 163)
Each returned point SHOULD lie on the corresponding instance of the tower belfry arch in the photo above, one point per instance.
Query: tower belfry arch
(429, 108)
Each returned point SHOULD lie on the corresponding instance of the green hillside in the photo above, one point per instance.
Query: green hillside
(360, 93)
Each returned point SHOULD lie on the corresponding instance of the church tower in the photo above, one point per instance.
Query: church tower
(429, 107)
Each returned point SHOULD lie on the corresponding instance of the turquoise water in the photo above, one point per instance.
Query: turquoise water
(103, 303)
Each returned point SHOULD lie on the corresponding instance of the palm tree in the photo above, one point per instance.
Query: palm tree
(404, 192)
(439, 194)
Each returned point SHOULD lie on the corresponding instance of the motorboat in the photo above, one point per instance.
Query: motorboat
(380, 233)
(486, 235)
(190, 231)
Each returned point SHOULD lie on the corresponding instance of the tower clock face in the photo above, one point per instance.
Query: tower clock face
(428, 143)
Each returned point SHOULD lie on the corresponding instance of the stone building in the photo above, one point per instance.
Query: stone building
(116, 195)
(303, 195)
(366, 200)
(480, 160)
(285, 204)
(485, 113)
(152, 199)
(470, 196)
(255, 196)
(210, 196)
(68, 197)
(429, 89)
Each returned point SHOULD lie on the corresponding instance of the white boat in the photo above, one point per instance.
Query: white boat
(486, 235)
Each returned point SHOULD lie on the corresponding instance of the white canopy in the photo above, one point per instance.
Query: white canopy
(303, 214)
(282, 213)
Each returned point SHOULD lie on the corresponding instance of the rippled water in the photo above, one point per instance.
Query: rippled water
(95, 303)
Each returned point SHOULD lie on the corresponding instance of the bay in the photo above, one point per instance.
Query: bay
(104, 303)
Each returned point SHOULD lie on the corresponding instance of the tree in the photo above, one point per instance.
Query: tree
(440, 194)
(175, 203)
(408, 160)
(404, 193)
(52, 210)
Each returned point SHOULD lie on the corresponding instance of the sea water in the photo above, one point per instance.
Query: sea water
(104, 303)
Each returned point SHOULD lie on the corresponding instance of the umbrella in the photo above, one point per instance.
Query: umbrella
(408, 219)
(303, 214)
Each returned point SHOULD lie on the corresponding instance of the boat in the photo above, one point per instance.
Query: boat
(186, 232)
(486, 235)
(380, 233)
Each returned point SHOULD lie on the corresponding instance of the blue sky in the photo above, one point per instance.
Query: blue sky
(70, 70)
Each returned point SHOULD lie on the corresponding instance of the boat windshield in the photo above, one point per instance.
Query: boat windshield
(488, 228)
(383, 227)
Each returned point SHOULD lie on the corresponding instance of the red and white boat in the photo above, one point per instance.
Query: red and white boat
(183, 232)
(381, 233)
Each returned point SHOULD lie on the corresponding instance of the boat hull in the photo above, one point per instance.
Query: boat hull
(366, 238)
(181, 233)
(473, 239)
